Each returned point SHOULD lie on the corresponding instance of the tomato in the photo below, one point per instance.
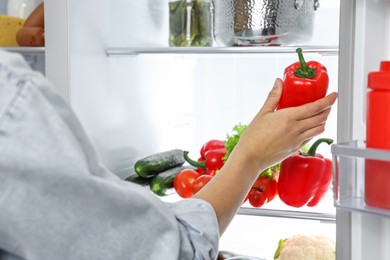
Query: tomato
(256, 198)
(268, 185)
(200, 182)
(184, 181)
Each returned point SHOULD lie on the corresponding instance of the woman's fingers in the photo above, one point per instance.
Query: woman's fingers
(275, 134)
(309, 119)
(273, 98)
(316, 107)
(314, 121)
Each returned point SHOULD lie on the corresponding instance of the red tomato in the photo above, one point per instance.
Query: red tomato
(200, 182)
(268, 185)
(256, 198)
(184, 181)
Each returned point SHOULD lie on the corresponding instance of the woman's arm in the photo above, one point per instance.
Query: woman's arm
(270, 137)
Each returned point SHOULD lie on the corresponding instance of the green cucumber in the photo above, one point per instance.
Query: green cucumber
(135, 178)
(162, 183)
(154, 164)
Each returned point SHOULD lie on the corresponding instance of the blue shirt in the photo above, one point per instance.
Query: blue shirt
(57, 201)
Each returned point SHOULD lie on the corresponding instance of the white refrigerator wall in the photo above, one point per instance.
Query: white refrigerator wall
(134, 106)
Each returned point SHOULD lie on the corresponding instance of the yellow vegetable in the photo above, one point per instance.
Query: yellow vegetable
(9, 26)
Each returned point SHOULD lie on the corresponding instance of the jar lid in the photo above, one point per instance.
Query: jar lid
(380, 79)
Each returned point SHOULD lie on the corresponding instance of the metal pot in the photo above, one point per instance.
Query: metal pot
(263, 22)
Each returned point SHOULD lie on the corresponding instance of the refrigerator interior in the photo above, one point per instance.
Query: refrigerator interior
(144, 103)
(135, 105)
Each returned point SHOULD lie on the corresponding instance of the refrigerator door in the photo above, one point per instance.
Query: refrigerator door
(364, 42)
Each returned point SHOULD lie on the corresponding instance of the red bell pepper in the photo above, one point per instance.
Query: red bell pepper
(304, 178)
(212, 163)
(211, 145)
(303, 82)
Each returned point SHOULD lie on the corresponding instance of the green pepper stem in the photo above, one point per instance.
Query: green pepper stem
(196, 164)
(313, 148)
(304, 71)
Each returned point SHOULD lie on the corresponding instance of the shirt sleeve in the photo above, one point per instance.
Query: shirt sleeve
(58, 202)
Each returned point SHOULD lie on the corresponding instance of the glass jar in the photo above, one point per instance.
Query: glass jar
(190, 23)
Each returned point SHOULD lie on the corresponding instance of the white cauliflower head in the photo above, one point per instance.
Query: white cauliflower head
(302, 247)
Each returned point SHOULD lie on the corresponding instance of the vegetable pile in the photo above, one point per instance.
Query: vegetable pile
(300, 247)
(300, 180)
(166, 172)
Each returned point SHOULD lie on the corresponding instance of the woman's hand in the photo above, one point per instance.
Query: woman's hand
(269, 138)
(274, 135)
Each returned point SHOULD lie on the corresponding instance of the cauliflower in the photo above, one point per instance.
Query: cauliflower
(302, 247)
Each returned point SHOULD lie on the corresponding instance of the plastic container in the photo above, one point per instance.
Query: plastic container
(190, 23)
(377, 173)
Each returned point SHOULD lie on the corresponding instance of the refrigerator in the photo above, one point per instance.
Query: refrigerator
(362, 231)
(135, 96)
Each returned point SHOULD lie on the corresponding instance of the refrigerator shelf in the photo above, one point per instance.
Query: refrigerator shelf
(25, 50)
(264, 212)
(322, 213)
(358, 205)
(349, 176)
(128, 51)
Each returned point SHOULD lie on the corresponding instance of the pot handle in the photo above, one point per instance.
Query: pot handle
(316, 4)
(299, 3)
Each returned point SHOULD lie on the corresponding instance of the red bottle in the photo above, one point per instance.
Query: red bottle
(377, 177)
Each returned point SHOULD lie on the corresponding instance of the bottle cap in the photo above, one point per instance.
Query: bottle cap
(380, 79)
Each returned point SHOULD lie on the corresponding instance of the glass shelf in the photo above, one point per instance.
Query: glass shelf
(128, 51)
(323, 212)
(25, 50)
(349, 161)
(264, 212)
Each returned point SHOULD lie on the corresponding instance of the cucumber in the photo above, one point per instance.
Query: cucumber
(154, 164)
(135, 178)
(162, 183)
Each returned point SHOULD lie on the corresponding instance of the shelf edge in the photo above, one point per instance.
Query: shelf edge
(323, 217)
(25, 50)
(128, 51)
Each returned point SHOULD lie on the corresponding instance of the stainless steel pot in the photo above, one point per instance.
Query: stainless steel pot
(263, 22)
